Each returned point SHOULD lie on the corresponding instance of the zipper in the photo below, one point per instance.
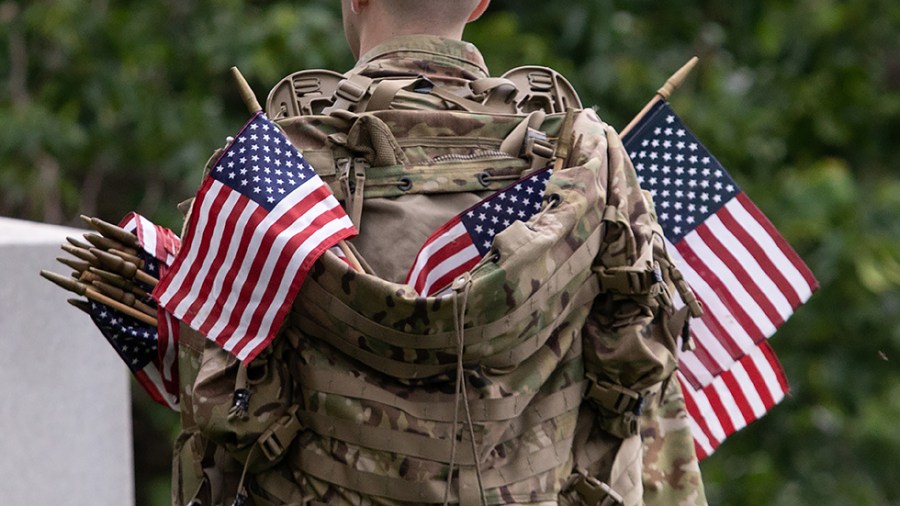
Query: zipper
(472, 157)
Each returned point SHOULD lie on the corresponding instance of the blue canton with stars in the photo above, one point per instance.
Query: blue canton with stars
(135, 342)
(261, 164)
(519, 201)
(688, 184)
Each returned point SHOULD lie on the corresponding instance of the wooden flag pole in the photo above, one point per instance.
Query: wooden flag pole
(672, 84)
(253, 106)
(80, 289)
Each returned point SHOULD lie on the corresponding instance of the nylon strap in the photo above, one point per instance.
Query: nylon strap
(276, 439)
(514, 143)
(408, 370)
(515, 355)
(284, 491)
(489, 84)
(566, 272)
(626, 403)
(462, 103)
(523, 467)
(483, 410)
(384, 92)
(433, 448)
(349, 93)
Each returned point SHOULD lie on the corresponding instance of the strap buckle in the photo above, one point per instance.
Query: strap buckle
(351, 91)
(274, 441)
(625, 281)
(596, 493)
(615, 398)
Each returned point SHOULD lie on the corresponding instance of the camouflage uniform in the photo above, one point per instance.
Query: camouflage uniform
(523, 385)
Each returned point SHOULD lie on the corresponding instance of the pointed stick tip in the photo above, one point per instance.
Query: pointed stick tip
(675, 81)
(247, 94)
(63, 282)
(114, 232)
(75, 242)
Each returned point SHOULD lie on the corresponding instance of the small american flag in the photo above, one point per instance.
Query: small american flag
(460, 243)
(745, 274)
(150, 354)
(160, 242)
(734, 398)
(259, 221)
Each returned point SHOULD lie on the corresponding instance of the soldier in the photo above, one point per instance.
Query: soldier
(542, 376)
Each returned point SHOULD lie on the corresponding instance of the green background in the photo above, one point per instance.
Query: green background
(107, 107)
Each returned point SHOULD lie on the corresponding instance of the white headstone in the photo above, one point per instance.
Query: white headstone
(65, 416)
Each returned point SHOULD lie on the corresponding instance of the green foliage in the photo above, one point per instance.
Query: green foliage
(111, 106)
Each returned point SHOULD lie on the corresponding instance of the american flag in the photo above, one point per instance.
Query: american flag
(460, 243)
(734, 398)
(259, 221)
(160, 242)
(151, 354)
(744, 273)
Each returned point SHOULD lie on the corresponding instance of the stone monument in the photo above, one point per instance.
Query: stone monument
(65, 417)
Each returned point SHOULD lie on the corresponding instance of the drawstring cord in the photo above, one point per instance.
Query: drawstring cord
(241, 498)
(461, 288)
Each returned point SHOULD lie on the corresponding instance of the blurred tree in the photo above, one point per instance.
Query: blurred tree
(111, 106)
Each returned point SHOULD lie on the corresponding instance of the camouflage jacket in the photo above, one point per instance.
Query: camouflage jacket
(542, 378)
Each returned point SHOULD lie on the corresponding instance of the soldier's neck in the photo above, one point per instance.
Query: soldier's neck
(370, 38)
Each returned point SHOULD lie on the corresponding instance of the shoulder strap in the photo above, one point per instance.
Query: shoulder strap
(520, 90)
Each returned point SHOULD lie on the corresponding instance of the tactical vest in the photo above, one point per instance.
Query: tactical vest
(483, 394)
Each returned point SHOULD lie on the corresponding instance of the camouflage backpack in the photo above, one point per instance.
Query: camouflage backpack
(527, 382)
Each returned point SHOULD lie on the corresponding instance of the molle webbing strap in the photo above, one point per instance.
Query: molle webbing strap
(430, 491)
(402, 369)
(349, 93)
(437, 449)
(687, 295)
(483, 410)
(515, 355)
(395, 368)
(472, 176)
(566, 272)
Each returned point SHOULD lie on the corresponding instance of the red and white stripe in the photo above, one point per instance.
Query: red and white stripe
(160, 380)
(241, 265)
(158, 241)
(747, 278)
(738, 396)
(447, 254)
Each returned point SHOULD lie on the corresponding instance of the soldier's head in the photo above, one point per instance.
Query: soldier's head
(367, 23)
